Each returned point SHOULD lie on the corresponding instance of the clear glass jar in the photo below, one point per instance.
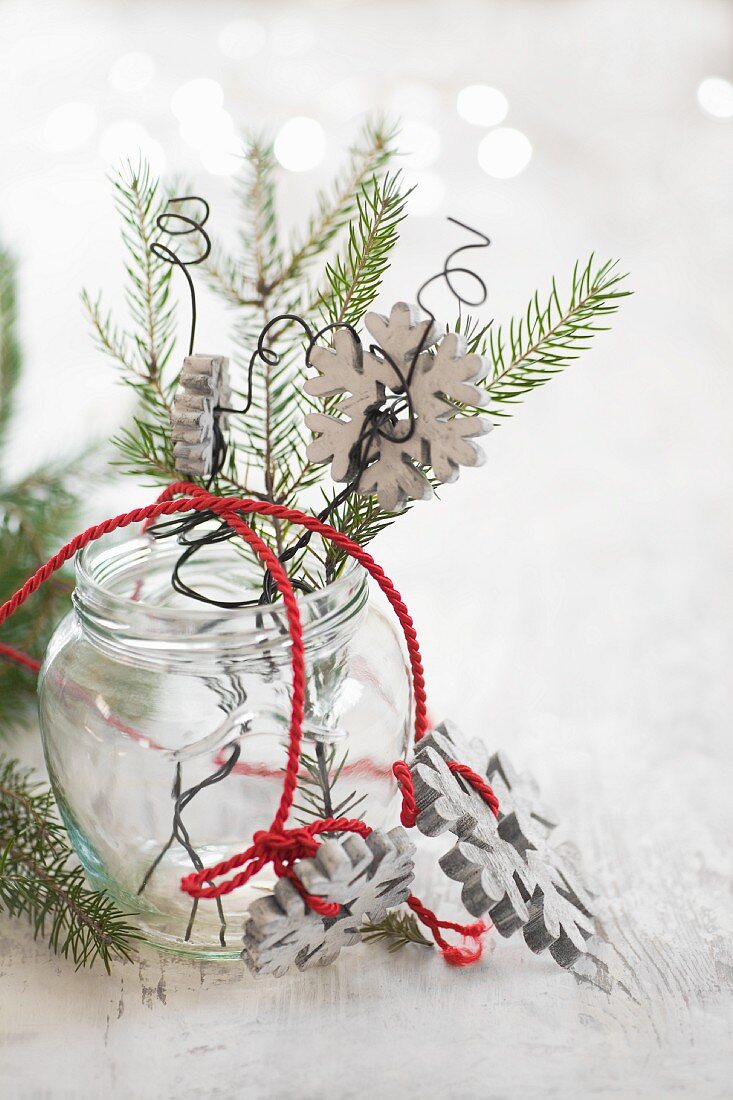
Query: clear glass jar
(145, 694)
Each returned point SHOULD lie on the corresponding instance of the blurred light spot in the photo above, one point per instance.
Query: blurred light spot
(428, 194)
(241, 39)
(414, 101)
(504, 153)
(196, 98)
(292, 36)
(206, 130)
(128, 140)
(69, 126)
(300, 144)
(419, 144)
(132, 72)
(715, 96)
(481, 105)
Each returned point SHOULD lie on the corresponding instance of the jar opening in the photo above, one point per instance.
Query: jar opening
(124, 597)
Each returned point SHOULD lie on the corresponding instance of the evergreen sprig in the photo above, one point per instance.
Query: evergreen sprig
(550, 335)
(397, 929)
(36, 514)
(320, 772)
(142, 347)
(353, 279)
(39, 880)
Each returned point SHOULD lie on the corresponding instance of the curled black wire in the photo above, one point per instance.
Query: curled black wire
(174, 223)
(180, 833)
(392, 419)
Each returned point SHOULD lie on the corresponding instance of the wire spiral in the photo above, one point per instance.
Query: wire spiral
(173, 223)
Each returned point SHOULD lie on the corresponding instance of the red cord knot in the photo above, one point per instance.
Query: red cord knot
(285, 846)
(454, 955)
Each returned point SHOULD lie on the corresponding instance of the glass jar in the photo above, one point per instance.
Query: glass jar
(165, 725)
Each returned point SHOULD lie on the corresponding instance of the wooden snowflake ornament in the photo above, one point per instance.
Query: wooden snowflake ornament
(203, 388)
(398, 414)
(506, 866)
(366, 876)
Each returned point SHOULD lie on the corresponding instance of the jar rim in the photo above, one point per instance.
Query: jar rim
(143, 625)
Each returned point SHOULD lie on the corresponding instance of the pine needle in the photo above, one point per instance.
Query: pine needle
(396, 931)
(549, 336)
(39, 880)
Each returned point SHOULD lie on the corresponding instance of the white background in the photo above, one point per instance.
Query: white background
(573, 597)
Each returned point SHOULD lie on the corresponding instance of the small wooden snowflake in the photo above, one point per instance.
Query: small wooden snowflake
(203, 388)
(366, 876)
(506, 866)
(393, 451)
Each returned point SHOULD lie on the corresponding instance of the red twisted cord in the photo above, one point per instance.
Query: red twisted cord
(456, 956)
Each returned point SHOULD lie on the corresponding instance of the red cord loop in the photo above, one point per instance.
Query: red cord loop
(403, 775)
(479, 785)
(453, 955)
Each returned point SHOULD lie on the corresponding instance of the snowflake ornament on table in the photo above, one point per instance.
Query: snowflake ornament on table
(398, 407)
(203, 388)
(365, 876)
(506, 865)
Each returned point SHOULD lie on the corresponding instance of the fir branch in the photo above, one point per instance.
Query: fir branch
(550, 335)
(355, 276)
(317, 780)
(396, 930)
(140, 201)
(259, 201)
(38, 878)
(10, 360)
(336, 206)
(360, 518)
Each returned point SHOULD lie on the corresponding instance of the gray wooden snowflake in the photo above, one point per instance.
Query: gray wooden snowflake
(444, 800)
(399, 455)
(507, 866)
(366, 876)
(203, 386)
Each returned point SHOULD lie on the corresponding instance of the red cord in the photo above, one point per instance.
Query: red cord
(455, 956)
(18, 658)
(279, 845)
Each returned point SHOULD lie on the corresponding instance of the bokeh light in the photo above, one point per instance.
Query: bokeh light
(504, 153)
(300, 144)
(69, 126)
(715, 96)
(197, 98)
(481, 105)
(132, 72)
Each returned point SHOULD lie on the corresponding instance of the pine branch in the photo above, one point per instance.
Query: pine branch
(360, 518)
(335, 207)
(396, 930)
(316, 786)
(36, 514)
(355, 276)
(550, 336)
(39, 880)
(10, 361)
